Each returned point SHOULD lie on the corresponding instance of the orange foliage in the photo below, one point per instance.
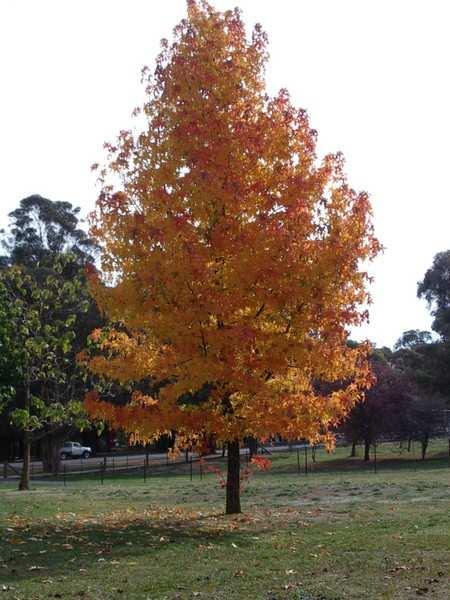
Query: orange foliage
(230, 254)
(262, 463)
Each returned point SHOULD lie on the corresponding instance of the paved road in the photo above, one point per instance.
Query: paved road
(126, 461)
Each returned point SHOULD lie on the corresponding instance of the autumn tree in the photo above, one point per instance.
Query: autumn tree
(231, 256)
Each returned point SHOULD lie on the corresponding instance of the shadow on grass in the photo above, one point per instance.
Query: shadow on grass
(51, 549)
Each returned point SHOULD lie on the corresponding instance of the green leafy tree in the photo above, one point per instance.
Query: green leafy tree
(42, 330)
(41, 229)
(41, 234)
(413, 338)
(435, 288)
(426, 363)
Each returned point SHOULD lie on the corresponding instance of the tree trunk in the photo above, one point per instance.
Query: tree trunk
(366, 450)
(424, 444)
(51, 458)
(233, 502)
(24, 483)
(409, 444)
(252, 444)
(353, 452)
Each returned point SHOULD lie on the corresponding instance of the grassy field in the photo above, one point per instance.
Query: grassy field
(340, 532)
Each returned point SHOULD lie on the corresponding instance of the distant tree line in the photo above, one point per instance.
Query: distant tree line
(411, 397)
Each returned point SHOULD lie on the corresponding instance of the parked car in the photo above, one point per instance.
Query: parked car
(74, 450)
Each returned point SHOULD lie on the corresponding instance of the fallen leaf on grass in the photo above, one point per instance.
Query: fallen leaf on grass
(15, 541)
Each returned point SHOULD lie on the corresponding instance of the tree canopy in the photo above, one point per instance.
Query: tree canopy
(435, 288)
(41, 229)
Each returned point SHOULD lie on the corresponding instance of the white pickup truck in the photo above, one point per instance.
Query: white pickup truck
(74, 450)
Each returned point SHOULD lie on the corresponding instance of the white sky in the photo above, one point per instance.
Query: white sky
(373, 75)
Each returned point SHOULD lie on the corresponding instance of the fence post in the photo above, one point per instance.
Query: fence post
(298, 460)
(190, 465)
(102, 471)
(5, 470)
(201, 468)
(306, 460)
(64, 474)
(145, 471)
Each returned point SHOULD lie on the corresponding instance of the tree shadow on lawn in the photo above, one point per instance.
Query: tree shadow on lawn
(51, 548)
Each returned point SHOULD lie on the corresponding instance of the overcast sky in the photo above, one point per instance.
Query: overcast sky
(373, 75)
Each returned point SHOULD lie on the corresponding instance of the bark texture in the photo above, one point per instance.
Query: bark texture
(24, 483)
(233, 501)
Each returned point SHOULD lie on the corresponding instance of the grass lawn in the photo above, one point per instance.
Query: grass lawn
(341, 532)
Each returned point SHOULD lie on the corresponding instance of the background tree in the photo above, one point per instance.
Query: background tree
(435, 288)
(425, 419)
(413, 338)
(231, 256)
(427, 363)
(383, 414)
(42, 229)
(42, 330)
(10, 367)
(42, 236)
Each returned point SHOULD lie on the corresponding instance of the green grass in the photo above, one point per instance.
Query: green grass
(341, 532)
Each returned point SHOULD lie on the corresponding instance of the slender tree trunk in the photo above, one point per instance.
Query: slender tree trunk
(409, 444)
(56, 456)
(233, 502)
(366, 450)
(353, 452)
(46, 456)
(424, 446)
(24, 483)
(252, 444)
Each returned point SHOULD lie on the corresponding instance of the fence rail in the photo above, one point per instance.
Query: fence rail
(306, 459)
